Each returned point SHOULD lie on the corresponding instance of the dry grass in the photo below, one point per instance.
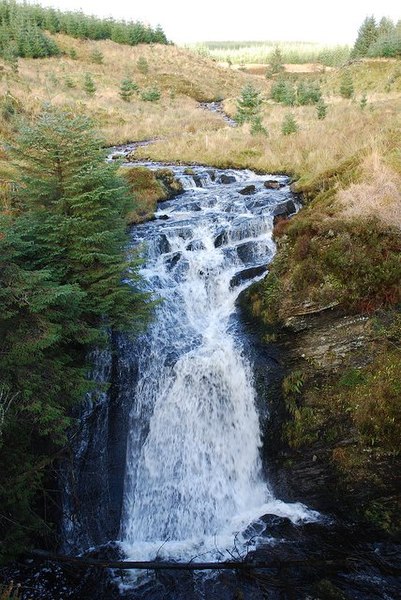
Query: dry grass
(377, 195)
(189, 134)
(182, 78)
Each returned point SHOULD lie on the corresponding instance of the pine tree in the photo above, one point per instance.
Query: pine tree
(276, 63)
(289, 125)
(142, 65)
(248, 104)
(89, 85)
(97, 56)
(346, 85)
(127, 89)
(363, 101)
(367, 35)
(257, 127)
(64, 279)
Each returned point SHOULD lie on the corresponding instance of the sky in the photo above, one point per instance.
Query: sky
(332, 22)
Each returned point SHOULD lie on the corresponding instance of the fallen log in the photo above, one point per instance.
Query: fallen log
(246, 564)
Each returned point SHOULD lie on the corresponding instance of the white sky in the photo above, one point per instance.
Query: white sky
(335, 21)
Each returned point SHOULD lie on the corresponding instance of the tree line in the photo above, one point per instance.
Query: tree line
(381, 39)
(23, 27)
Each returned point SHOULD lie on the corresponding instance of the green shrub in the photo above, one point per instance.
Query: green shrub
(289, 125)
(321, 109)
(151, 94)
(142, 65)
(97, 57)
(89, 85)
(346, 85)
(248, 104)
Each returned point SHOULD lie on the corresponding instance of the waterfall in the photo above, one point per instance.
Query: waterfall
(193, 470)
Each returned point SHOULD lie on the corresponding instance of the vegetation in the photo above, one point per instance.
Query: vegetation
(64, 280)
(346, 85)
(285, 92)
(243, 53)
(89, 85)
(149, 187)
(289, 124)
(276, 64)
(375, 40)
(127, 89)
(22, 29)
(57, 284)
(248, 105)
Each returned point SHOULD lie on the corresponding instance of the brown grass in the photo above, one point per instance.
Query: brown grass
(377, 195)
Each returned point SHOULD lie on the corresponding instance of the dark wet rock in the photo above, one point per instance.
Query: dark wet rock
(245, 251)
(221, 239)
(212, 175)
(258, 203)
(163, 244)
(197, 180)
(285, 209)
(162, 217)
(272, 184)
(195, 245)
(172, 260)
(247, 274)
(227, 178)
(248, 190)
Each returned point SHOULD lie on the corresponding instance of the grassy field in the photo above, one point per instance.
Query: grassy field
(244, 53)
(182, 78)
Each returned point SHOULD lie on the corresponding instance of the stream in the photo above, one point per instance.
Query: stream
(167, 463)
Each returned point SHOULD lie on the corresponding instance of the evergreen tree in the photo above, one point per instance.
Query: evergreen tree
(97, 56)
(142, 65)
(248, 104)
(89, 85)
(152, 94)
(321, 109)
(276, 63)
(346, 85)
(289, 125)
(367, 35)
(64, 278)
(363, 101)
(257, 126)
(127, 89)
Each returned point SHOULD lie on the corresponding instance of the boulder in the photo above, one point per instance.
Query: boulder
(272, 184)
(227, 178)
(163, 244)
(172, 260)
(248, 190)
(245, 252)
(283, 211)
(221, 239)
(195, 245)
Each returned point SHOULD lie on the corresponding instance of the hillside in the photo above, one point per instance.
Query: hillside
(182, 78)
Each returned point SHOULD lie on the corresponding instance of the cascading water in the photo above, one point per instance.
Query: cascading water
(193, 473)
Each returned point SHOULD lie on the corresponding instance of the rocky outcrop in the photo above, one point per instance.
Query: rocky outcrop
(314, 343)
